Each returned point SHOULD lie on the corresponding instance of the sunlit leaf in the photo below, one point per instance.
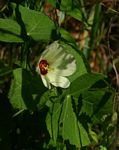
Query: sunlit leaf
(76, 13)
(28, 23)
(52, 121)
(37, 25)
(25, 90)
(10, 31)
(68, 123)
(84, 138)
(66, 36)
(84, 82)
(96, 102)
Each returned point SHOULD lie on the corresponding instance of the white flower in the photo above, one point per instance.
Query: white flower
(54, 65)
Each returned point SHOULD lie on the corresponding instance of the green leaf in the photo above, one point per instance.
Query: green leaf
(94, 94)
(76, 13)
(30, 22)
(44, 99)
(93, 135)
(102, 147)
(90, 101)
(81, 67)
(66, 5)
(83, 135)
(37, 25)
(84, 82)
(52, 121)
(66, 36)
(95, 26)
(97, 103)
(104, 107)
(4, 70)
(9, 31)
(25, 90)
(68, 123)
(52, 2)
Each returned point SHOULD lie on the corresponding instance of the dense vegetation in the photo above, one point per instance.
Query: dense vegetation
(79, 115)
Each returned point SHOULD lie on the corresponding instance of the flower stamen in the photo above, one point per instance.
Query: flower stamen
(43, 66)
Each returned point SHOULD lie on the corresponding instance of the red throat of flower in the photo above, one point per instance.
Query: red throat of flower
(43, 66)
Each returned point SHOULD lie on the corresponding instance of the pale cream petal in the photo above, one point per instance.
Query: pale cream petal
(59, 60)
(46, 81)
(64, 66)
(52, 52)
(61, 64)
(58, 81)
(37, 69)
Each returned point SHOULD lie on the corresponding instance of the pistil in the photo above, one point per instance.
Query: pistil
(43, 65)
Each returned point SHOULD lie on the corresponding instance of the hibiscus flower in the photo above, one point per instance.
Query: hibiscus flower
(55, 65)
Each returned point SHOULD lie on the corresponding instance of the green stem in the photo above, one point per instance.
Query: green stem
(95, 26)
(25, 55)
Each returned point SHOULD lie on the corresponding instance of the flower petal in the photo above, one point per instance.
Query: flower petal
(64, 66)
(60, 64)
(37, 69)
(52, 52)
(58, 81)
(46, 81)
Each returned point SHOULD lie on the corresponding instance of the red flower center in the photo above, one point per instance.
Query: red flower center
(43, 65)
